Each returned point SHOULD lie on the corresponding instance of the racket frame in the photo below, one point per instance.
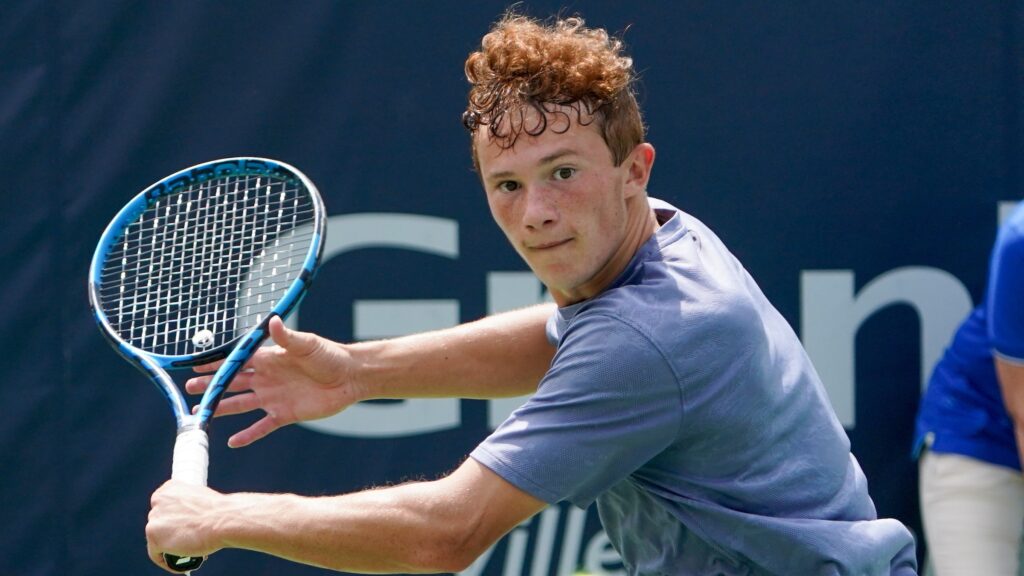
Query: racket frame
(191, 449)
(236, 351)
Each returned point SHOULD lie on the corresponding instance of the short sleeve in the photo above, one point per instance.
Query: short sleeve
(609, 404)
(1005, 297)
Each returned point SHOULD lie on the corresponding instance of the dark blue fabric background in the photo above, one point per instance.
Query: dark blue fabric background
(862, 136)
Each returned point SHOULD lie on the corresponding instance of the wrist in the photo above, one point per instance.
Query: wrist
(361, 370)
(334, 367)
(249, 520)
(210, 521)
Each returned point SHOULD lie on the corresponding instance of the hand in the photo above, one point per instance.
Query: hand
(176, 522)
(303, 377)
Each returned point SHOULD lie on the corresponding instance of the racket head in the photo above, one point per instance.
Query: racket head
(194, 266)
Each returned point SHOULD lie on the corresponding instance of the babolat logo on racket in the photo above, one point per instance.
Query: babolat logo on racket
(223, 169)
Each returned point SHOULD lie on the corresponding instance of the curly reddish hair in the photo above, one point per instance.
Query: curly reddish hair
(525, 65)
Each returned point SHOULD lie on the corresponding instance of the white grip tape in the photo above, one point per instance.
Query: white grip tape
(191, 457)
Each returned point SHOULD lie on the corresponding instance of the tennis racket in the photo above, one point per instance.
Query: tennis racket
(193, 269)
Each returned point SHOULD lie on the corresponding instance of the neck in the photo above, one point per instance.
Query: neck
(641, 223)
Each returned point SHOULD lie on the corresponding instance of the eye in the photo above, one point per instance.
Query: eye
(564, 173)
(508, 186)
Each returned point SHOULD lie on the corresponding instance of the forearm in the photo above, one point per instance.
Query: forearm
(439, 526)
(396, 530)
(497, 356)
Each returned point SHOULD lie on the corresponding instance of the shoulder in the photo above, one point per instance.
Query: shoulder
(610, 367)
(688, 293)
(1004, 307)
(1007, 261)
(685, 332)
(1010, 240)
(611, 333)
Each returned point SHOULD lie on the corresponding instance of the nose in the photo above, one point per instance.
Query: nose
(540, 209)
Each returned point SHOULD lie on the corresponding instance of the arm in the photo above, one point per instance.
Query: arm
(498, 356)
(307, 377)
(1011, 381)
(439, 526)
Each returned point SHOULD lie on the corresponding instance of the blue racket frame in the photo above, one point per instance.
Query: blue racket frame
(158, 366)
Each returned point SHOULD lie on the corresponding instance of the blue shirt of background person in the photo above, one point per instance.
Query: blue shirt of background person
(963, 410)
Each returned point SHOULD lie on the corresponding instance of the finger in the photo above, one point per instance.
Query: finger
(295, 342)
(260, 429)
(241, 383)
(208, 367)
(278, 331)
(211, 367)
(237, 404)
(152, 549)
(198, 384)
(157, 557)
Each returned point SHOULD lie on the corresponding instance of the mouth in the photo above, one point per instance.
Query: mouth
(549, 245)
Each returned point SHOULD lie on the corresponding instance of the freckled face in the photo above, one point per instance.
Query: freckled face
(562, 204)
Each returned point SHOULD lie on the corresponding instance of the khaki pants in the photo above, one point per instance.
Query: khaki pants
(973, 515)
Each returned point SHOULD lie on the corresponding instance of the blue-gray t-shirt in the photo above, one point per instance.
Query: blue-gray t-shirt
(683, 403)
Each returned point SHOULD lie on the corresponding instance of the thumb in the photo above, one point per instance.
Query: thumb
(301, 343)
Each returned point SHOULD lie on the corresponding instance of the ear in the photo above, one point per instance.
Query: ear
(638, 166)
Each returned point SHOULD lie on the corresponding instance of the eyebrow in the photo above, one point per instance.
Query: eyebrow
(550, 158)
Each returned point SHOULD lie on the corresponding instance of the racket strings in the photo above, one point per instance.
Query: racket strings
(213, 258)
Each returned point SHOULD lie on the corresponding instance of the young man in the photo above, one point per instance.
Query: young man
(970, 427)
(667, 388)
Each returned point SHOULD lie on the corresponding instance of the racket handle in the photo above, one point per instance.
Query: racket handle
(191, 457)
(190, 464)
